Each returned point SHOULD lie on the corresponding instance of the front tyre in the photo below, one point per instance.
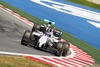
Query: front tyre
(25, 37)
(66, 48)
(59, 48)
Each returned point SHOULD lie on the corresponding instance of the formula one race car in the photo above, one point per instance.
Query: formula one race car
(40, 38)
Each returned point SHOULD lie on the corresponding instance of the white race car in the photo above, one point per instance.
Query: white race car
(39, 38)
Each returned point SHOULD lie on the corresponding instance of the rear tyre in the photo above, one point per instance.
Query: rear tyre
(25, 37)
(34, 27)
(66, 48)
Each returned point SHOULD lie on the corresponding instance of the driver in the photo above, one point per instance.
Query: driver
(49, 28)
(49, 32)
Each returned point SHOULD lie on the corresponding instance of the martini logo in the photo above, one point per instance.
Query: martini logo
(72, 10)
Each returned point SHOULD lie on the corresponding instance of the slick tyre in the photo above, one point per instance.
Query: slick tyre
(33, 28)
(25, 37)
(59, 49)
(66, 48)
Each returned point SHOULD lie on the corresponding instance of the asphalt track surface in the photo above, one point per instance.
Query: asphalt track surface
(11, 31)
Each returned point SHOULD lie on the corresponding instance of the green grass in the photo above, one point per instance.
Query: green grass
(86, 3)
(95, 53)
(18, 61)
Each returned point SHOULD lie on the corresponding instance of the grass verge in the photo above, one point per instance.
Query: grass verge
(95, 53)
(18, 61)
(86, 3)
